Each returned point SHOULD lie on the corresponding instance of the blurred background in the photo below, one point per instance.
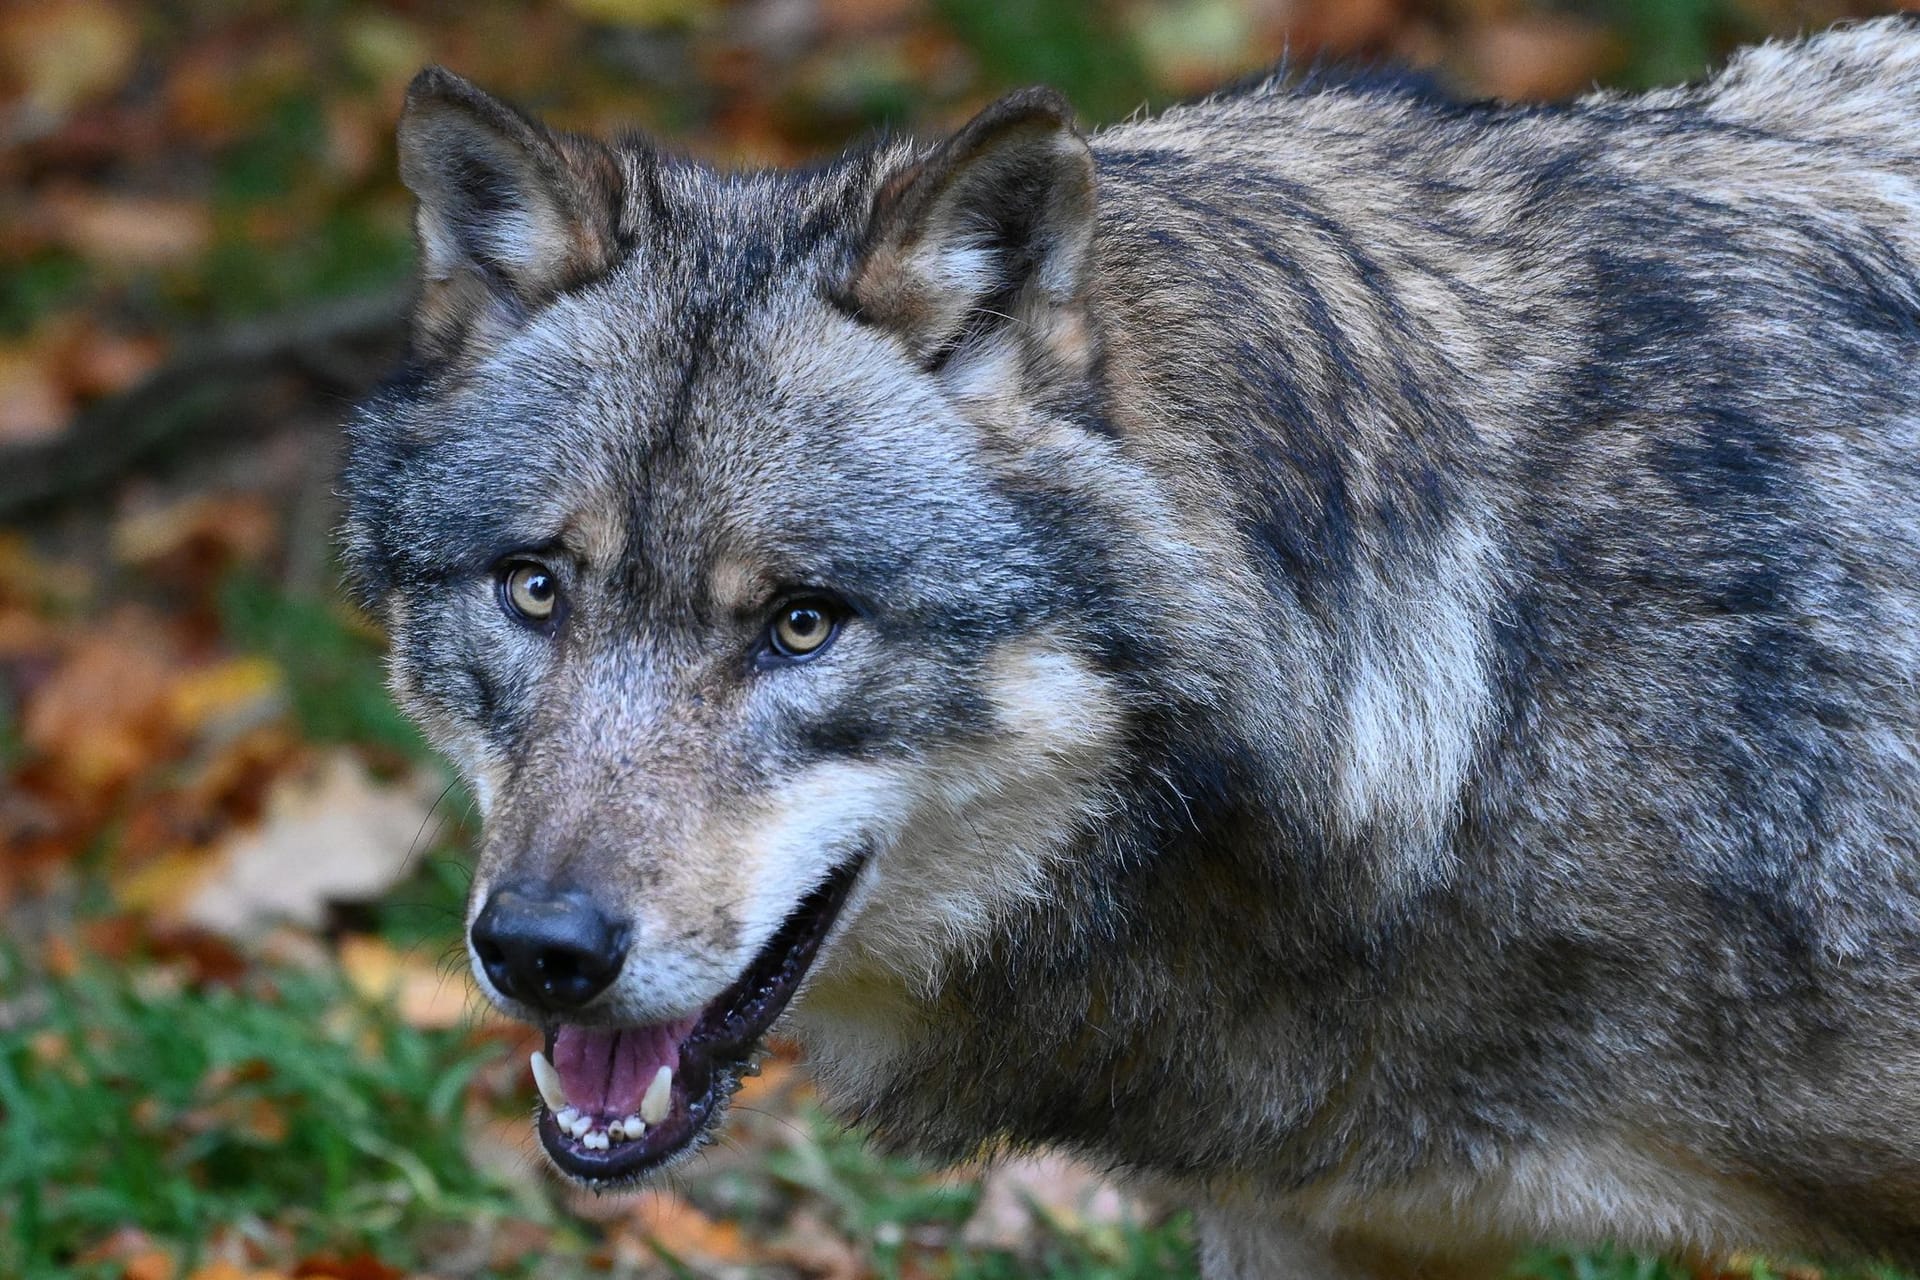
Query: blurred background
(236, 1034)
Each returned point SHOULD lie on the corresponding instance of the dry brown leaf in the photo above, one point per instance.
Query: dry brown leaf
(1018, 1192)
(359, 1266)
(223, 700)
(29, 578)
(161, 886)
(129, 231)
(35, 403)
(675, 1225)
(851, 18)
(233, 1271)
(330, 834)
(101, 717)
(1342, 27)
(809, 1245)
(219, 529)
(99, 362)
(57, 54)
(139, 1255)
(425, 993)
(1540, 56)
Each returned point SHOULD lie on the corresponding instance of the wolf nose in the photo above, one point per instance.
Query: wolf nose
(545, 949)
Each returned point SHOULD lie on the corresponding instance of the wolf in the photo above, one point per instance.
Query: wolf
(1351, 658)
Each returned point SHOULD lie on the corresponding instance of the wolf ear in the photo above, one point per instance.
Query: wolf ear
(986, 243)
(508, 214)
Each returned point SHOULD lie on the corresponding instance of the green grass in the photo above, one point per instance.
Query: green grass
(136, 1102)
(132, 1100)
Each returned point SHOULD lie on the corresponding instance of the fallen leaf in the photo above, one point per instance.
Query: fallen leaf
(129, 231)
(35, 404)
(1538, 57)
(101, 717)
(58, 53)
(812, 1247)
(1018, 1194)
(672, 1223)
(29, 578)
(359, 1266)
(159, 885)
(139, 1255)
(425, 993)
(333, 834)
(227, 698)
(233, 1271)
(95, 361)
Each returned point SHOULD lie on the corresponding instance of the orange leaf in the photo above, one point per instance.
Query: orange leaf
(60, 53)
(673, 1224)
(359, 1266)
(101, 717)
(425, 994)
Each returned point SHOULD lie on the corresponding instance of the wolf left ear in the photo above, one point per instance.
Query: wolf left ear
(988, 239)
(509, 213)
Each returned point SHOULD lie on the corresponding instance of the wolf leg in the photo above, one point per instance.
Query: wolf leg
(1244, 1246)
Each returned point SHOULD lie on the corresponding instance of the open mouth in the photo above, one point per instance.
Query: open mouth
(617, 1103)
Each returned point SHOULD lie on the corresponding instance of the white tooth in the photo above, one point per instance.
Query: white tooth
(565, 1118)
(547, 1080)
(653, 1107)
(633, 1126)
(580, 1126)
(595, 1142)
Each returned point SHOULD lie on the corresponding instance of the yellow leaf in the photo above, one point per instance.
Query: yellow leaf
(66, 51)
(423, 993)
(239, 690)
(164, 885)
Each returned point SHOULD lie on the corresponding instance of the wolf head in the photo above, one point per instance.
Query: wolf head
(758, 547)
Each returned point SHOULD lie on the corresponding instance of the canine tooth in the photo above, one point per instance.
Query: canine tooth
(653, 1107)
(633, 1126)
(547, 1080)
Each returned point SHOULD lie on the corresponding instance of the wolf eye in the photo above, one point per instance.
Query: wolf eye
(803, 628)
(529, 591)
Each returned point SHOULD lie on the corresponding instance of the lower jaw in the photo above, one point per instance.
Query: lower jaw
(710, 1067)
(679, 1133)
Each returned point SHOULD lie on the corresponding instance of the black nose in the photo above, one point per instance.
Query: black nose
(552, 950)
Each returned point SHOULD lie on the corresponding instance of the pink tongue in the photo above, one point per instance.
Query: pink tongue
(606, 1073)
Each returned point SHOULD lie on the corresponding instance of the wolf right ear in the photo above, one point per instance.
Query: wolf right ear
(509, 213)
(984, 246)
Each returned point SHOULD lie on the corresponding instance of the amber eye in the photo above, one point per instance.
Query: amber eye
(802, 629)
(529, 591)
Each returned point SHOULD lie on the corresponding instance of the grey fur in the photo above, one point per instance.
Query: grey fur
(1477, 545)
